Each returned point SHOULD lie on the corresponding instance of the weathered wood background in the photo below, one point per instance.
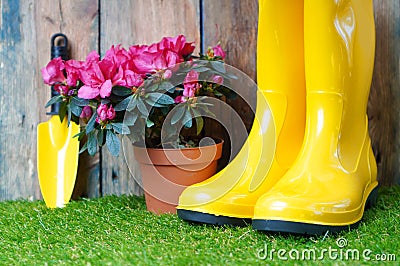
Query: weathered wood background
(26, 27)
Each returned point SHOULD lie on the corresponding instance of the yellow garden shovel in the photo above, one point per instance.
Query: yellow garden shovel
(58, 151)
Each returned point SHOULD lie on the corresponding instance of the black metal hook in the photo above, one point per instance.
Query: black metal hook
(59, 50)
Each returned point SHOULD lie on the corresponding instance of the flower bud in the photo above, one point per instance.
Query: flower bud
(102, 112)
(217, 79)
(218, 51)
(110, 113)
(86, 112)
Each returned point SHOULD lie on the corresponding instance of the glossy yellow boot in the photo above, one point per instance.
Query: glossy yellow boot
(334, 177)
(229, 196)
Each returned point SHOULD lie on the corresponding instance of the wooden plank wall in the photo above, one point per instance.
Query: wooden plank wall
(25, 30)
(140, 22)
(384, 100)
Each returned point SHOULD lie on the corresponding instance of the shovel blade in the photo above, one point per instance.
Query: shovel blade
(57, 160)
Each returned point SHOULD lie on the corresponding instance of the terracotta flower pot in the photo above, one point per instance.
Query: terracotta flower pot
(167, 172)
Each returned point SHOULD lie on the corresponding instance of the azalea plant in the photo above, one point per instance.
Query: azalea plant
(131, 91)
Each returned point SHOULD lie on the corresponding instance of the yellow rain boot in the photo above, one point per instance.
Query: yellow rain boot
(257, 167)
(334, 177)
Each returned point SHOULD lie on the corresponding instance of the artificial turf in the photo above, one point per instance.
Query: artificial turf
(119, 231)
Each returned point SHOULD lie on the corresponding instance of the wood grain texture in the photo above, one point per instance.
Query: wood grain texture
(140, 22)
(78, 20)
(233, 24)
(18, 101)
(384, 101)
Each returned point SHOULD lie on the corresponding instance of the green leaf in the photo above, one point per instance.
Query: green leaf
(75, 119)
(199, 121)
(79, 101)
(78, 135)
(113, 143)
(92, 144)
(69, 115)
(153, 87)
(142, 107)
(63, 110)
(121, 91)
(153, 102)
(130, 118)
(200, 103)
(200, 69)
(121, 106)
(84, 148)
(91, 123)
(219, 66)
(231, 76)
(205, 109)
(132, 104)
(187, 119)
(149, 123)
(178, 113)
(160, 98)
(166, 86)
(105, 101)
(100, 137)
(120, 128)
(217, 93)
(75, 109)
(53, 100)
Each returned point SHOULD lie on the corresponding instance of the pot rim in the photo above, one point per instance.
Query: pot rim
(183, 156)
(221, 142)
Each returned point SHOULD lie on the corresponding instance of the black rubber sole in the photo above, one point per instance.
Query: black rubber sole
(305, 228)
(199, 217)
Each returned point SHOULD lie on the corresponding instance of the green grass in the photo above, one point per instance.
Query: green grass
(119, 231)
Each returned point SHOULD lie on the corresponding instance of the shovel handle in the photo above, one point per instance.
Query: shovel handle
(59, 48)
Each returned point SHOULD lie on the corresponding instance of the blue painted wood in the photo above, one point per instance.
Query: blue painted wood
(17, 102)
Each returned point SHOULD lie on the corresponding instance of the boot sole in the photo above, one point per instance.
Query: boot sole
(309, 229)
(199, 217)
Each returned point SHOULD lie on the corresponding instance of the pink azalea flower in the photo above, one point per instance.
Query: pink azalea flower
(158, 56)
(110, 113)
(118, 55)
(192, 76)
(105, 113)
(102, 112)
(217, 79)
(166, 59)
(190, 84)
(142, 63)
(180, 99)
(86, 112)
(189, 90)
(62, 89)
(135, 50)
(53, 72)
(93, 56)
(178, 45)
(167, 74)
(218, 51)
(133, 79)
(99, 78)
(73, 69)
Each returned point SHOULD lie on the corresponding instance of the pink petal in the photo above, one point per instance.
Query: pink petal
(87, 92)
(180, 99)
(105, 89)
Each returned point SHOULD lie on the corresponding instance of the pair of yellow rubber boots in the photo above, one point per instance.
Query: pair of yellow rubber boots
(315, 171)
